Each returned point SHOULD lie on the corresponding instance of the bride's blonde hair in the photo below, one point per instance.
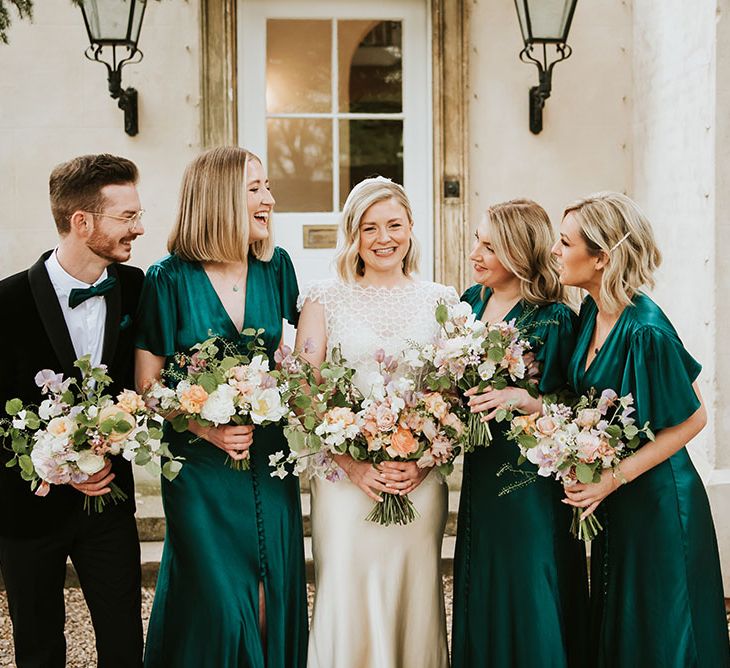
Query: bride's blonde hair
(366, 193)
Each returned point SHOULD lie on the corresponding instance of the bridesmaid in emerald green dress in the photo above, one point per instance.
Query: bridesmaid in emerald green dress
(520, 579)
(231, 589)
(656, 588)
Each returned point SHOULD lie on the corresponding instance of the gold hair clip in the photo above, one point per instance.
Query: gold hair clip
(620, 241)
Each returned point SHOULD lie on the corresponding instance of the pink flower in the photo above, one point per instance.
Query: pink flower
(546, 425)
(385, 418)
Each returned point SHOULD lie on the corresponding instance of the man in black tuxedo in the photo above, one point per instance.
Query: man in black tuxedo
(76, 299)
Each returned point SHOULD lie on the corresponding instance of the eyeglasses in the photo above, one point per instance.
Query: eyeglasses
(132, 221)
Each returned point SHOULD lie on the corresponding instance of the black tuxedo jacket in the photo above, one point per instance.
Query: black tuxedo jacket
(34, 336)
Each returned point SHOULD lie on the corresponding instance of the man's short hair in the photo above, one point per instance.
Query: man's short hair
(76, 185)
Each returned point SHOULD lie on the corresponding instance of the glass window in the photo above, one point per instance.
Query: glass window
(330, 127)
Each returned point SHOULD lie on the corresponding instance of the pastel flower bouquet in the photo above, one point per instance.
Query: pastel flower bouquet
(71, 435)
(575, 444)
(395, 422)
(323, 402)
(469, 353)
(216, 385)
(403, 423)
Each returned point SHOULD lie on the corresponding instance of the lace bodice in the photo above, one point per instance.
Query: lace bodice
(362, 319)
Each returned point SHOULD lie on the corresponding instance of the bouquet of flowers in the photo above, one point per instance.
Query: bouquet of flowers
(395, 422)
(322, 420)
(469, 353)
(575, 444)
(68, 438)
(217, 385)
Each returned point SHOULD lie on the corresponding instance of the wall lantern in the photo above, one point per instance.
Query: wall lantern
(112, 25)
(543, 23)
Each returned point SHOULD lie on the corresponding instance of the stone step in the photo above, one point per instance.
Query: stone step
(151, 518)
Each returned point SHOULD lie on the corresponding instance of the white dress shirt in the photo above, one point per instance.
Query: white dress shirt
(85, 323)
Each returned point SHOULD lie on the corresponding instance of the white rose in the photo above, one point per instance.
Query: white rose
(218, 407)
(460, 310)
(61, 427)
(266, 405)
(89, 463)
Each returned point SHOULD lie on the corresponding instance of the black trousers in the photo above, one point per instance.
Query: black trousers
(104, 549)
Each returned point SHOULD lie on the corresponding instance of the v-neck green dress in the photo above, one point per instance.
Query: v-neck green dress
(520, 579)
(227, 530)
(656, 588)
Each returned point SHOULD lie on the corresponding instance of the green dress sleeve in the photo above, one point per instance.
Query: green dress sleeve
(659, 374)
(288, 286)
(157, 313)
(557, 338)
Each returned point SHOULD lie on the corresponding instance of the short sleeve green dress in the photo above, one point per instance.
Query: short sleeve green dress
(656, 589)
(227, 530)
(520, 579)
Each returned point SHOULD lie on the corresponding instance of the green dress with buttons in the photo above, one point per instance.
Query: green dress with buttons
(227, 530)
(520, 578)
(656, 588)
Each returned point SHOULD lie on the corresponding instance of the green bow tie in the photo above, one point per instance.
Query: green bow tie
(80, 295)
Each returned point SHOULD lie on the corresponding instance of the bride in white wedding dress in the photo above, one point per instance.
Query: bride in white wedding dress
(378, 597)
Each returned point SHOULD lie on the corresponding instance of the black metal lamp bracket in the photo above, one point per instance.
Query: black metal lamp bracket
(540, 93)
(126, 97)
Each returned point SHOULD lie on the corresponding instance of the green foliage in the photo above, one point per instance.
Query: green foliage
(24, 9)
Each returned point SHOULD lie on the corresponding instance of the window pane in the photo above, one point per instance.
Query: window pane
(370, 66)
(300, 163)
(369, 148)
(298, 66)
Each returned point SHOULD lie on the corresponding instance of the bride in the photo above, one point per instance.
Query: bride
(379, 598)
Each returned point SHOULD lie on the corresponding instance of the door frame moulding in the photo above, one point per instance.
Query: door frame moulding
(449, 21)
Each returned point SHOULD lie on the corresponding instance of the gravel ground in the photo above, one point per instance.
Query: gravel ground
(80, 638)
(81, 652)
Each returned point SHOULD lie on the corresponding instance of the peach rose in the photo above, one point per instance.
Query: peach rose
(526, 422)
(193, 398)
(130, 401)
(452, 420)
(436, 405)
(118, 414)
(402, 442)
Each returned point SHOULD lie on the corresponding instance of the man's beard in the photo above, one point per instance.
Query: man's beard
(105, 247)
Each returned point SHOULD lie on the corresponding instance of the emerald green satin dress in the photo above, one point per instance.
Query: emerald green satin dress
(520, 579)
(656, 589)
(227, 530)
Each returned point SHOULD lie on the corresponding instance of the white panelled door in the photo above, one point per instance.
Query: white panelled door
(331, 92)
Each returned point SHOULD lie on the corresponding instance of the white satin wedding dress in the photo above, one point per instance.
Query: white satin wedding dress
(379, 597)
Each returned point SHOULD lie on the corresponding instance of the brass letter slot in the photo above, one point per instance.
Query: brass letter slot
(320, 236)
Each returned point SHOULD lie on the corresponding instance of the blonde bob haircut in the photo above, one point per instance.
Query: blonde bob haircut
(522, 238)
(366, 193)
(614, 225)
(212, 219)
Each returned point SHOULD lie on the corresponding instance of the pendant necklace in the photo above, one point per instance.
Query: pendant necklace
(236, 286)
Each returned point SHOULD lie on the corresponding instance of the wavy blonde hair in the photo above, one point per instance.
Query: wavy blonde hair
(613, 224)
(366, 193)
(522, 236)
(212, 219)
